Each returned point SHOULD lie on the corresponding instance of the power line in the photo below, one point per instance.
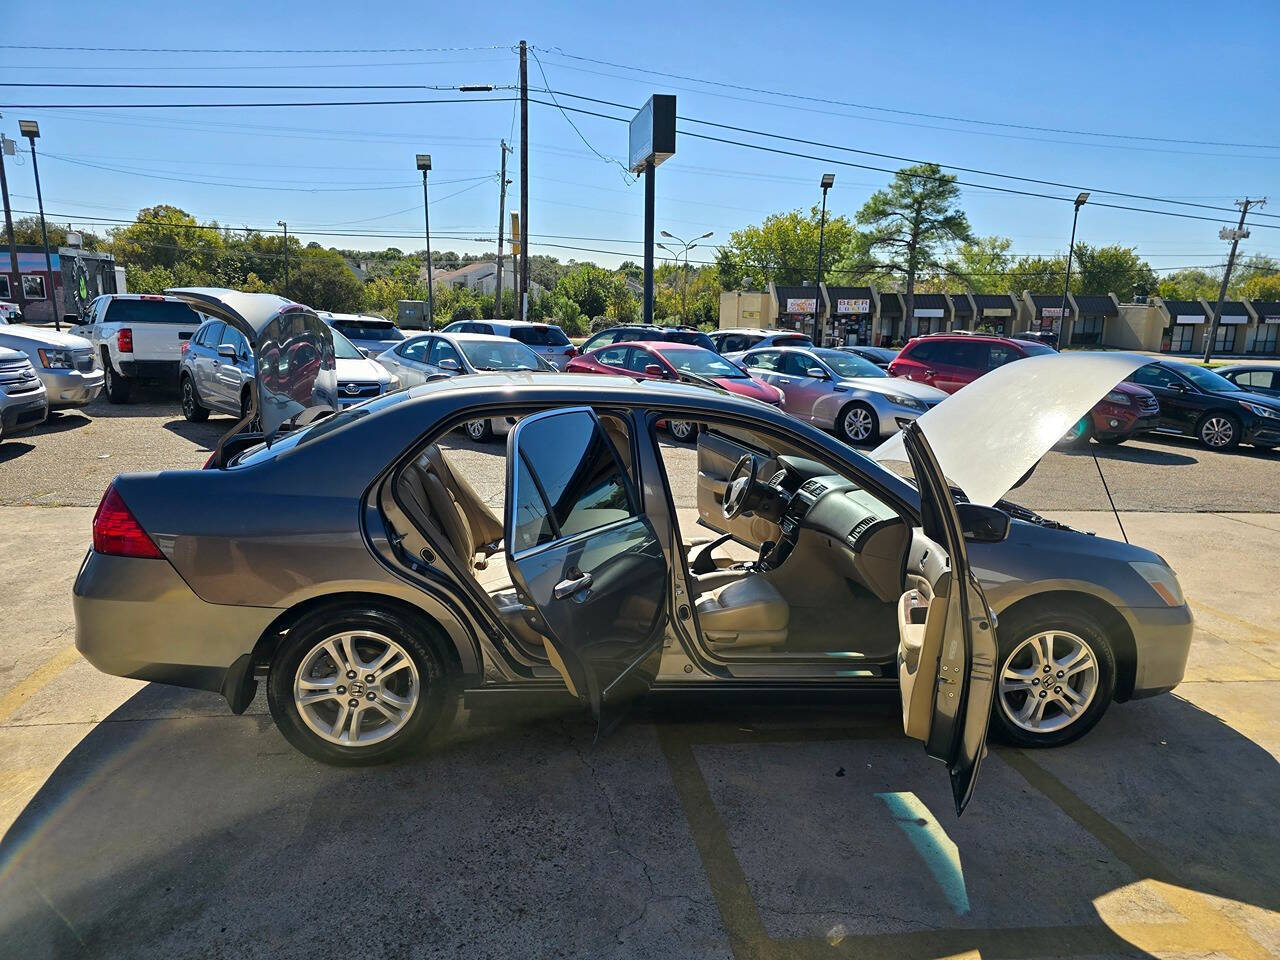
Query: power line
(626, 174)
(48, 47)
(914, 113)
(247, 86)
(289, 103)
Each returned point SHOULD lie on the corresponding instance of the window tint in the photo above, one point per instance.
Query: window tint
(369, 328)
(796, 364)
(209, 335)
(923, 352)
(442, 350)
(695, 337)
(1154, 376)
(574, 462)
(637, 360)
(999, 354)
(481, 328)
(150, 311)
(763, 360)
(233, 336)
(540, 336)
(613, 357)
(965, 354)
(791, 340)
(602, 339)
(415, 349)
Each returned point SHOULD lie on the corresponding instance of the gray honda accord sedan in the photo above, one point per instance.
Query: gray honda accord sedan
(350, 566)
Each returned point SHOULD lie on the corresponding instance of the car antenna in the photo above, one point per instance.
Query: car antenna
(1108, 492)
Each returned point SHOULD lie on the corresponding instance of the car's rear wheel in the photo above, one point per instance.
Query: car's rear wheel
(479, 430)
(683, 430)
(116, 387)
(192, 408)
(858, 424)
(1056, 679)
(1218, 431)
(357, 685)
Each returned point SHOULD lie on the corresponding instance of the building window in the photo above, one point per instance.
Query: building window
(4, 288)
(1087, 332)
(1226, 337)
(1181, 338)
(1265, 340)
(33, 287)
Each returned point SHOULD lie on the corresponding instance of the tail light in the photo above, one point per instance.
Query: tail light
(116, 531)
(124, 340)
(571, 352)
(183, 349)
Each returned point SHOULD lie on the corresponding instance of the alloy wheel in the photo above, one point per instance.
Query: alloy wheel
(188, 399)
(857, 424)
(475, 429)
(1048, 682)
(681, 429)
(356, 689)
(1217, 432)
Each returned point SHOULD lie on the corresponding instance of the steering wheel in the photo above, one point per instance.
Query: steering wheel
(741, 480)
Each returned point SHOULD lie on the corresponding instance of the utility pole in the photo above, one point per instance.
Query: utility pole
(502, 212)
(10, 146)
(1235, 236)
(281, 223)
(523, 291)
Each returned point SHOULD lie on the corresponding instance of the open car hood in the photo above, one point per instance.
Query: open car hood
(294, 363)
(989, 434)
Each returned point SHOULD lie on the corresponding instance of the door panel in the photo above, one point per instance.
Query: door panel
(947, 639)
(584, 559)
(717, 456)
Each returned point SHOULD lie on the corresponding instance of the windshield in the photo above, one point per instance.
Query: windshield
(344, 349)
(150, 311)
(702, 363)
(369, 328)
(540, 336)
(848, 364)
(501, 355)
(1033, 349)
(1207, 379)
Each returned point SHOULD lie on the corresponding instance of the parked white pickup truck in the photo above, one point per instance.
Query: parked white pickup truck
(138, 337)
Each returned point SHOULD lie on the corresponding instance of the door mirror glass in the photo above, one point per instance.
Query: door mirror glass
(448, 363)
(653, 370)
(227, 350)
(817, 373)
(982, 524)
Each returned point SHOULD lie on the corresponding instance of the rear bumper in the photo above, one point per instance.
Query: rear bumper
(71, 388)
(23, 414)
(139, 619)
(1162, 637)
(150, 369)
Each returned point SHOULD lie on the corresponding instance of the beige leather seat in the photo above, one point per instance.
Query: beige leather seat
(747, 612)
(450, 506)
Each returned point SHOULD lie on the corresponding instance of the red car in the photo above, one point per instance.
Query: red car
(948, 362)
(654, 360)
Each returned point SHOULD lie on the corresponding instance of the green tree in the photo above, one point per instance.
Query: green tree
(1190, 284)
(588, 286)
(1111, 269)
(623, 306)
(1037, 274)
(320, 279)
(1253, 272)
(782, 249)
(912, 221)
(168, 236)
(982, 264)
(26, 231)
(1262, 286)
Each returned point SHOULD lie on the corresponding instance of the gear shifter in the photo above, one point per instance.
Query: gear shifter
(766, 548)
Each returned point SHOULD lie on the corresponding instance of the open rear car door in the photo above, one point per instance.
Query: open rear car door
(584, 558)
(947, 637)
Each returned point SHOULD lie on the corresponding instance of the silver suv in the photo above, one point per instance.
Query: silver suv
(23, 401)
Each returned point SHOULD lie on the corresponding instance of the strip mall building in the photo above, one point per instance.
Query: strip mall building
(868, 315)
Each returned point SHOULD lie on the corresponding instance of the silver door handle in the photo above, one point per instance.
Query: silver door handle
(567, 588)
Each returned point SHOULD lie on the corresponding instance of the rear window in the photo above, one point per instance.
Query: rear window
(150, 311)
(1033, 349)
(369, 329)
(695, 337)
(540, 336)
(794, 340)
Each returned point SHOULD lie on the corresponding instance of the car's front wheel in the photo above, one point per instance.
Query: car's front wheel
(683, 430)
(192, 408)
(858, 424)
(1219, 431)
(357, 685)
(479, 430)
(1080, 433)
(1056, 679)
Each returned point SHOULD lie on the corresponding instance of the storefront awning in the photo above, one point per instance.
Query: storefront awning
(1185, 311)
(1268, 311)
(890, 304)
(994, 304)
(929, 305)
(1233, 311)
(1049, 305)
(798, 300)
(1096, 305)
(850, 301)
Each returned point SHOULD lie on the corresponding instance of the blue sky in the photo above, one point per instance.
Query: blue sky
(1139, 70)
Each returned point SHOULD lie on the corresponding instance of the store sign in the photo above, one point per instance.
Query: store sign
(799, 305)
(1189, 318)
(750, 314)
(1271, 319)
(1234, 318)
(1055, 313)
(853, 306)
(997, 311)
(929, 312)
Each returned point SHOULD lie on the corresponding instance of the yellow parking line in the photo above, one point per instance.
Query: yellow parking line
(1232, 618)
(43, 675)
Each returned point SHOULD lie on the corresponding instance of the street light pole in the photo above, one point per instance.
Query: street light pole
(424, 164)
(1235, 236)
(684, 284)
(1081, 200)
(30, 129)
(16, 290)
(281, 223)
(828, 179)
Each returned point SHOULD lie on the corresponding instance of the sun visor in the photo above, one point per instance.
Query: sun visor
(995, 429)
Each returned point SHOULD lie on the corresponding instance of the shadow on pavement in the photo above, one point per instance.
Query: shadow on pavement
(174, 829)
(60, 421)
(204, 435)
(1191, 443)
(13, 449)
(1131, 454)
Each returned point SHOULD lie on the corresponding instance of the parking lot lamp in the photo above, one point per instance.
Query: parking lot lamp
(684, 285)
(31, 130)
(828, 180)
(285, 227)
(424, 164)
(1081, 200)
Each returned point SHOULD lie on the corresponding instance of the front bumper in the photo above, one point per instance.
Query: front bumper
(23, 414)
(1122, 423)
(896, 418)
(70, 388)
(138, 618)
(1162, 637)
(1262, 432)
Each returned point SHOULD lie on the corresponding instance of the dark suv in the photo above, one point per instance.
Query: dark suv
(949, 361)
(640, 332)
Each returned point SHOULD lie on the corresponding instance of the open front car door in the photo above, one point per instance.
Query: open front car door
(584, 558)
(946, 636)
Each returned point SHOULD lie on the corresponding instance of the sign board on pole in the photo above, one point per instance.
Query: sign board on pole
(853, 306)
(515, 234)
(653, 133)
(801, 305)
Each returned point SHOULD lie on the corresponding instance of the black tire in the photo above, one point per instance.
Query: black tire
(684, 431)
(423, 649)
(1216, 424)
(1021, 626)
(192, 408)
(1079, 435)
(116, 387)
(1114, 441)
(873, 432)
(246, 401)
(479, 431)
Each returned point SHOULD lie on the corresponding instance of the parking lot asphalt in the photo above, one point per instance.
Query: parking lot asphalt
(144, 821)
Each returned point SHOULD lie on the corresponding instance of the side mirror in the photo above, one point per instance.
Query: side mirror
(982, 524)
(653, 370)
(227, 350)
(817, 373)
(448, 363)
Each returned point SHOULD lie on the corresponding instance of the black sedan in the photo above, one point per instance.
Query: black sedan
(1253, 377)
(649, 333)
(880, 356)
(1200, 403)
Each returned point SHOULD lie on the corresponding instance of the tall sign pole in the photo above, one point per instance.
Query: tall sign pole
(1235, 236)
(523, 286)
(651, 140)
(502, 207)
(10, 147)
